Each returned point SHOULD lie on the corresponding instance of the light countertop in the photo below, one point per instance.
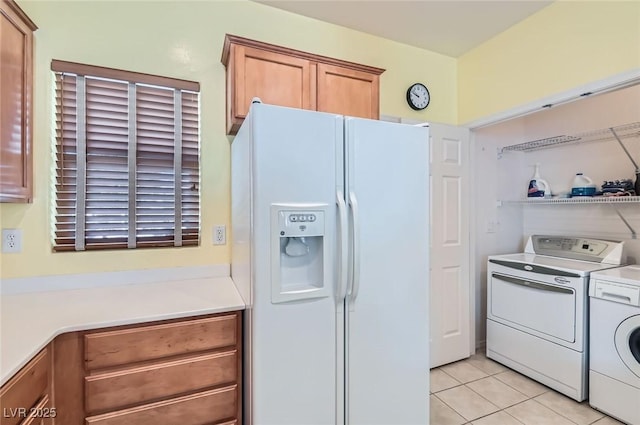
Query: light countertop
(30, 320)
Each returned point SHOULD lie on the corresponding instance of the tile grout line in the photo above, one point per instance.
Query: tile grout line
(452, 409)
(504, 410)
(563, 415)
(480, 395)
(494, 374)
(489, 401)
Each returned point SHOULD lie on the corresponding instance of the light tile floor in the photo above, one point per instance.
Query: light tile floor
(479, 391)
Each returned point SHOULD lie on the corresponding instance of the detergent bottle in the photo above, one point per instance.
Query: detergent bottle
(538, 188)
(582, 186)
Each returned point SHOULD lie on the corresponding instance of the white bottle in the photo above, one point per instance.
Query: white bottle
(538, 188)
(582, 186)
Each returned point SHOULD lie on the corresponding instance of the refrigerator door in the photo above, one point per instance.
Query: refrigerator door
(387, 315)
(297, 167)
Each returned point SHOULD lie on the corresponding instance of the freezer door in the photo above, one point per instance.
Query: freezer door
(293, 323)
(387, 320)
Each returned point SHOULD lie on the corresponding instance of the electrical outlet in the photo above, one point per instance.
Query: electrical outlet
(219, 235)
(11, 240)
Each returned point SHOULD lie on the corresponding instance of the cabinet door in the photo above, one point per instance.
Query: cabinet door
(348, 92)
(23, 391)
(41, 414)
(15, 105)
(275, 78)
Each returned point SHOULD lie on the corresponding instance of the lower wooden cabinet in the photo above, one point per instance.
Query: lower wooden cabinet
(41, 414)
(186, 372)
(206, 407)
(134, 344)
(112, 390)
(25, 399)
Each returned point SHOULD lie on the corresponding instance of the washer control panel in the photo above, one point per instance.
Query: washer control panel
(615, 291)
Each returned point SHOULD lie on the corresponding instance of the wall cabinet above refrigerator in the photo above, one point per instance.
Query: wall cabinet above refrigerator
(286, 77)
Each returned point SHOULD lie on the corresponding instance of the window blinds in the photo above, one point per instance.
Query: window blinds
(127, 162)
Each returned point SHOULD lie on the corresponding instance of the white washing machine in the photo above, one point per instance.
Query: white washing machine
(614, 365)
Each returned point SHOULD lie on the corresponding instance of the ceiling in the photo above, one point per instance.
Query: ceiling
(450, 27)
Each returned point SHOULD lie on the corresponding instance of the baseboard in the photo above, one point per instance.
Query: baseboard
(481, 346)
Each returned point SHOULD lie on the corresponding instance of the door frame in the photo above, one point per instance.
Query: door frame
(611, 83)
(614, 82)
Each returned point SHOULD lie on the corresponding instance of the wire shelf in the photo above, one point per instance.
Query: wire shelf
(577, 200)
(624, 131)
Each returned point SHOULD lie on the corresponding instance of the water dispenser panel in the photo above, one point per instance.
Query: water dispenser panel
(299, 252)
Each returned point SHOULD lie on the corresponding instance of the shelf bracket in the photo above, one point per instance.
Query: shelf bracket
(624, 148)
(634, 235)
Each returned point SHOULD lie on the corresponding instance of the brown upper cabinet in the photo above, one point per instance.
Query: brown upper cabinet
(287, 77)
(16, 106)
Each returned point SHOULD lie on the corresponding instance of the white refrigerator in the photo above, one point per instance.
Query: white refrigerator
(330, 251)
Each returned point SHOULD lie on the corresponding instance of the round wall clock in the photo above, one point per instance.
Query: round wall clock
(418, 96)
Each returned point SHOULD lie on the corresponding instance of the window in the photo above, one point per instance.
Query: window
(126, 160)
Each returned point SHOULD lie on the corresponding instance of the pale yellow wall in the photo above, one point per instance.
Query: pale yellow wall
(184, 40)
(565, 45)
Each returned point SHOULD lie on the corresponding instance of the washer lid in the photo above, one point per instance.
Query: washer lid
(629, 275)
(580, 268)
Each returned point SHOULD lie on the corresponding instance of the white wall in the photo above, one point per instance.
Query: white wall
(507, 179)
(498, 229)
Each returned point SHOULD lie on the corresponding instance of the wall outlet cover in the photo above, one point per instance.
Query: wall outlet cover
(219, 234)
(11, 240)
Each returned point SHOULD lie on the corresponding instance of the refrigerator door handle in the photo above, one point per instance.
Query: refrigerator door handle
(355, 277)
(344, 247)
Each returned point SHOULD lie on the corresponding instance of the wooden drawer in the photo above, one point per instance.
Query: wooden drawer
(25, 389)
(118, 389)
(123, 346)
(203, 408)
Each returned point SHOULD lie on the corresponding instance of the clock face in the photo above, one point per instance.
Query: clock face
(418, 96)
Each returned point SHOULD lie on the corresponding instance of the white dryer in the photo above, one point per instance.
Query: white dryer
(537, 308)
(614, 365)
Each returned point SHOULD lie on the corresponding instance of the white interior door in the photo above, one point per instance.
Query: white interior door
(450, 244)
